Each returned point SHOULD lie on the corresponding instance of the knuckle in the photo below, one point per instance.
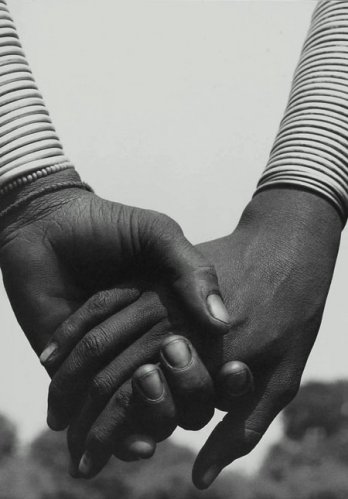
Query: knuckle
(92, 344)
(209, 269)
(164, 223)
(122, 399)
(202, 388)
(205, 273)
(100, 388)
(99, 302)
(208, 272)
(66, 330)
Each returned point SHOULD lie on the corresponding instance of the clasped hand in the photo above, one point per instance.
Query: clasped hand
(128, 320)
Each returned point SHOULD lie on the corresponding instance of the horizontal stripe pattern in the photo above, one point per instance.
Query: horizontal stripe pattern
(28, 140)
(311, 148)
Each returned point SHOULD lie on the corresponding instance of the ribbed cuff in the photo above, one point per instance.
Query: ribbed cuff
(25, 196)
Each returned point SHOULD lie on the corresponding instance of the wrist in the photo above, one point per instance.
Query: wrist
(285, 209)
(33, 200)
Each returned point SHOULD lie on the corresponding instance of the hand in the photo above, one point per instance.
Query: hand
(284, 252)
(275, 271)
(178, 391)
(187, 395)
(61, 248)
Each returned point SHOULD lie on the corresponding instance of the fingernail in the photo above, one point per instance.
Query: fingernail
(151, 385)
(235, 379)
(217, 308)
(177, 353)
(48, 353)
(210, 475)
(86, 464)
(141, 446)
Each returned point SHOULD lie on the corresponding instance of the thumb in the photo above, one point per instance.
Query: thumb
(189, 273)
(235, 436)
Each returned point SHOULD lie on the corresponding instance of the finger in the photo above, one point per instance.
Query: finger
(189, 381)
(193, 278)
(129, 426)
(90, 437)
(154, 411)
(96, 349)
(107, 390)
(94, 311)
(240, 431)
(234, 380)
(135, 447)
(151, 416)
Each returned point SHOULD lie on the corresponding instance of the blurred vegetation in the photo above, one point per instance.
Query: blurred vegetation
(309, 462)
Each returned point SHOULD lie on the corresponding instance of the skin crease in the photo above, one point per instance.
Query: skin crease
(61, 248)
(274, 289)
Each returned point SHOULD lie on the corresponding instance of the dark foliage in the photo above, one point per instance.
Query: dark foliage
(309, 462)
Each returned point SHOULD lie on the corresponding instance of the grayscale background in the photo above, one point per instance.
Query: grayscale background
(169, 105)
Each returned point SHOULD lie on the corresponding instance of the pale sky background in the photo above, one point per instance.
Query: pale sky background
(169, 105)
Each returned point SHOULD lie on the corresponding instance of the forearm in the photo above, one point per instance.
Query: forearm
(311, 148)
(31, 154)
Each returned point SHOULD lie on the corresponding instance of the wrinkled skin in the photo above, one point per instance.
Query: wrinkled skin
(274, 273)
(63, 250)
(63, 247)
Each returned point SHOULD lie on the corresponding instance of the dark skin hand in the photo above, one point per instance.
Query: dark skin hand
(285, 252)
(58, 251)
(178, 391)
(61, 248)
(274, 271)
